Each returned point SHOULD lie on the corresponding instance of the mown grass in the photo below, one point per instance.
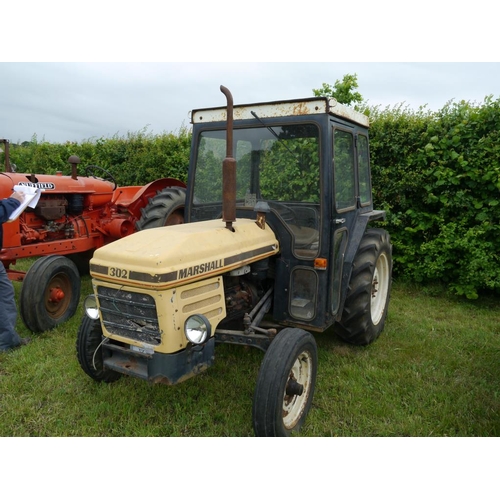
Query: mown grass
(435, 371)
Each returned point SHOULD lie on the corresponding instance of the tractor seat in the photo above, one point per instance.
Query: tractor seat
(305, 237)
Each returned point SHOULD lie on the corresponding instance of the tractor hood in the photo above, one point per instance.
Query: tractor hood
(56, 184)
(97, 191)
(174, 255)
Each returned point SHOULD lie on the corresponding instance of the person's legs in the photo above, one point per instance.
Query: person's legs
(8, 313)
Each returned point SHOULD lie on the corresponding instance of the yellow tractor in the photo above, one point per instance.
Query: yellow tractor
(275, 246)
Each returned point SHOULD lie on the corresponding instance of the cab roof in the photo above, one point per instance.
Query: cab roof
(277, 109)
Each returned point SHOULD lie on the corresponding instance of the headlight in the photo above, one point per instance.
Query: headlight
(90, 306)
(197, 329)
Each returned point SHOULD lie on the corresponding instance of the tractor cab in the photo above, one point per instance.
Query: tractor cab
(306, 163)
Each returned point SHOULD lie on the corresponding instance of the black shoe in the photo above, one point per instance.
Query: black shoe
(24, 341)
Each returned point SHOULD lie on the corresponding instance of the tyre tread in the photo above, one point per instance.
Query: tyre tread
(88, 340)
(355, 325)
(279, 358)
(160, 207)
(32, 305)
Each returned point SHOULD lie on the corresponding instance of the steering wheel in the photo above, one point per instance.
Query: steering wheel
(90, 171)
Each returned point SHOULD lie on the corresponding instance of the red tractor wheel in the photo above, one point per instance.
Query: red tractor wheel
(164, 209)
(50, 293)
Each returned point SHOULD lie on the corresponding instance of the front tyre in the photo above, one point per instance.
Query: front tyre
(285, 384)
(50, 293)
(89, 351)
(367, 300)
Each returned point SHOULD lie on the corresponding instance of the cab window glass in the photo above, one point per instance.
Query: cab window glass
(365, 190)
(345, 194)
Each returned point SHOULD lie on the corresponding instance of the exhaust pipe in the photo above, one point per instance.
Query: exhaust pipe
(229, 168)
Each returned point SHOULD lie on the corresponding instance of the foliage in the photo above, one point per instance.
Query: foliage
(136, 159)
(343, 91)
(289, 170)
(438, 176)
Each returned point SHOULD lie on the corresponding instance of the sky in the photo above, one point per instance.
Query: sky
(76, 101)
(77, 74)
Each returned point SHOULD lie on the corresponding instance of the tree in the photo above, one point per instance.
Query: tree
(343, 91)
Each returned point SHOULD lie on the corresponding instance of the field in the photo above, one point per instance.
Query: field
(435, 371)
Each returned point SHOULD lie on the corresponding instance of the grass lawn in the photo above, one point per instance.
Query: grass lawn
(435, 371)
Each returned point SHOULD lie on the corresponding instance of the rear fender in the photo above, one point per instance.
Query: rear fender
(355, 238)
(133, 198)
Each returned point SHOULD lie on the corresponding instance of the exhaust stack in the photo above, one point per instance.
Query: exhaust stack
(229, 168)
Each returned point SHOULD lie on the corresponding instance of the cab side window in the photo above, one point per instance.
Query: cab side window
(365, 188)
(344, 175)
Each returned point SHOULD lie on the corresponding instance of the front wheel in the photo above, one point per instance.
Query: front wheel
(285, 385)
(50, 293)
(367, 300)
(89, 351)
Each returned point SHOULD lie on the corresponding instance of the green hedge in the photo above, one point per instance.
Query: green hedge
(436, 173)
(135, 159)
(438, 176)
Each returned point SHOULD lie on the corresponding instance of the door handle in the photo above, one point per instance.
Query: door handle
(339, 221)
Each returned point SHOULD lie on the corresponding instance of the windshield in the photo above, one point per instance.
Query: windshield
(284, 168)
(280, 165)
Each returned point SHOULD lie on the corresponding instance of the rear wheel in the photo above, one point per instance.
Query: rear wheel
(285, 385)
(164, 209)
(89, 351)
(367, 300)
(50, 293)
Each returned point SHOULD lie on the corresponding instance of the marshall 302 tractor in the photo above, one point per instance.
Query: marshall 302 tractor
(75, 215)
(276, 244)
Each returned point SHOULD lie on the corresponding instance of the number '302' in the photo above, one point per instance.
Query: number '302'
(118, 273)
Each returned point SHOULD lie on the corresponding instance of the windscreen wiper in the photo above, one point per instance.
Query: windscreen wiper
(275, 135)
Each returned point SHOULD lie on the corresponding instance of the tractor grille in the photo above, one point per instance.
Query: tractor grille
(129, 314)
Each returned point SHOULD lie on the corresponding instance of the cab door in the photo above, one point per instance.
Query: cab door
(345, 203)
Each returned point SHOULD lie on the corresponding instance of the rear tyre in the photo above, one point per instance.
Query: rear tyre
(89, 351)
(50, 293)
(367, 300)
(164, 209)
(285, 384)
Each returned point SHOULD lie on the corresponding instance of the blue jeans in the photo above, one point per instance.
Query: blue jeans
(8, 313)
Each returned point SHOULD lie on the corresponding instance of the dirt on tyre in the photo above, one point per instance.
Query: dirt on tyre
(89, 353)
(368, 294)
(164, 209)
(50, 293)
(285, 384)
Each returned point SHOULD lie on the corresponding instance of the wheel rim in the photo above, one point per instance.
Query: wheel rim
(300, 376)
(58, 295)
(175, 218)
(380, 286)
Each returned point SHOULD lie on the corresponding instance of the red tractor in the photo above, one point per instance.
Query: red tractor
(75, 215)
